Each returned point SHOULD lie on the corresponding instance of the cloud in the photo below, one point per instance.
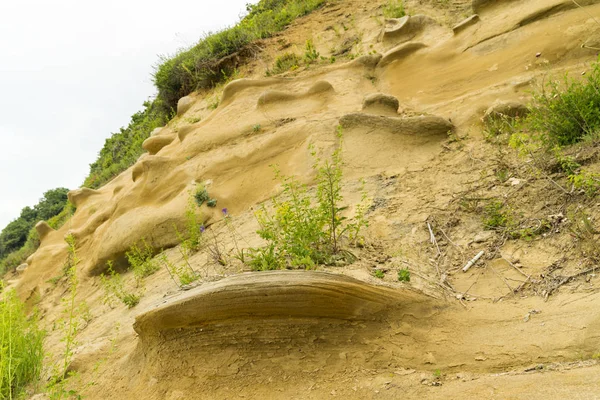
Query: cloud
(72, 72)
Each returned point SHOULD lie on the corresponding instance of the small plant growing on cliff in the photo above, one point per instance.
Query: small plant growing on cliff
(310, 52)
(495, 215)
(378, 274)
(21, 346)
(566, 112)
(141, 261)
(403, 275)
(201, 195)
(284, 63)
(69, 324)
(114, 288)
(307, 229)
(394, 9)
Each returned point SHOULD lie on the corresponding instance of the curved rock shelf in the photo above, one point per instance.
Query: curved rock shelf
(276, 96)
(406, 28)
(421, 125)
(154, 144)
(400, 52)
(278, 295)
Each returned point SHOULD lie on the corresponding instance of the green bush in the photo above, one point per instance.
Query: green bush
(310, 52)
(284, 63)
(403, 275)
(114, 288)
(305, 229)
(21, 347)
(565, 112)
(122, 149)
(495, 215)
(202, 66)
(201, 195)
(19, 239)
(394, 9)
(15, 234)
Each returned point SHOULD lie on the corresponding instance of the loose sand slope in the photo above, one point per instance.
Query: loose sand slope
(339, 333)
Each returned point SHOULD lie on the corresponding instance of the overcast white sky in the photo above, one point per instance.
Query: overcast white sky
(72, 72)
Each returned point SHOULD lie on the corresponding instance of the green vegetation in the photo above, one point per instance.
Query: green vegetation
(203, 65)
(285, 62)
(182, 274)
(291, 61)
(403, 275)
(495, 215)
(21, 347)
(567, 112)
(19, 239)
(394, 9)
(69, 325)
(307, 229)
(123, 148)
(114, 288)
(201, 195)
(212, 203)
(377, 273)
(310, 52)
(141, 261)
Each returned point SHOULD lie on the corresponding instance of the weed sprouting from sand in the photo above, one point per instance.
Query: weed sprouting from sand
(394, 9)
(141, 261)
(566, 112)
(306, 229)
(403, 275)
(69, 325)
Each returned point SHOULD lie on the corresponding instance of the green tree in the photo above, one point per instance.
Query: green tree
(13, 236)
(51, 204)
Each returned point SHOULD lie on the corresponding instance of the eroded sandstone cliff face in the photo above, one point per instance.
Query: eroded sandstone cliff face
(409, 106)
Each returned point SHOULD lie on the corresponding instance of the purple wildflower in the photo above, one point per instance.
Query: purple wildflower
(202, 228)
(224, 211)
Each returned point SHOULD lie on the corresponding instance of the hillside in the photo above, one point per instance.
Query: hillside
(440, 130)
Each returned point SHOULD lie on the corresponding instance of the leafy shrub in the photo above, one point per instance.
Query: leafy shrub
(566, 112)
(182, 274)
(141, 261)
(21, 347)
(378, 274)
(61, 218)
(310, 52)
(284, 63)
(212, 203)
(495, 215)
(589, 182)
(15, 234)
(394, 9)
(202, 65)
(304, 229)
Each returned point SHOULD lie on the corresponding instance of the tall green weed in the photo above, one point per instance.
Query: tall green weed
(21, 347)
(306, 229)
(565, 112)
